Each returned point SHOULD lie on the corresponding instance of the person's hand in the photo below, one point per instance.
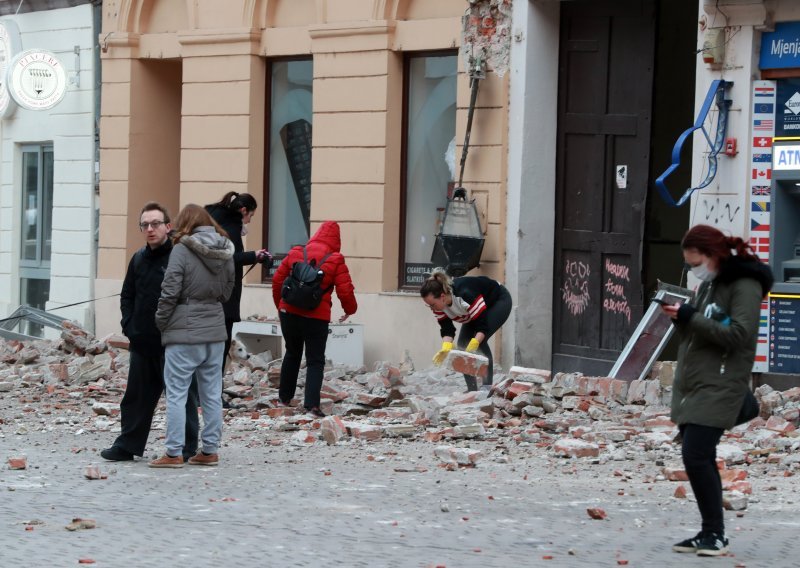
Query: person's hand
(438, 359)
(262, 254)
(473, 345)
(671, 310)
(343, 318)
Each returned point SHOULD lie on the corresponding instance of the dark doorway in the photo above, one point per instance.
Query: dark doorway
(607, 76)
(673, 112)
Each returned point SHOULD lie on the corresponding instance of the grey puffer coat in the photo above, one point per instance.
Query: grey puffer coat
(198, 279)
(715, 358)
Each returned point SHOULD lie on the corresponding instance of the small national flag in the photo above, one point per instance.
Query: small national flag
(764, 91)
(764, 108)
(763, 124)
(762, 157)
(756, 226)
(762, 142)
(759, 174)
(760, 190)
(760, 206)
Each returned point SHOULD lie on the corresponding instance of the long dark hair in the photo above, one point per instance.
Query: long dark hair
(437, 284)
(191, 217)
(713, 243)
(235, 201)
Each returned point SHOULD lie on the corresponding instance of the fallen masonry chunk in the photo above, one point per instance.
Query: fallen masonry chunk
(333, 429)
(673, 474)
(105, 408)
(734, 501)
(467, 363)
(303, 438)
(19, 462)
(597, 514)
(529, 375)
(570, 447)
(366, 432)
(460, 456)
(80, 524)
(93, 472)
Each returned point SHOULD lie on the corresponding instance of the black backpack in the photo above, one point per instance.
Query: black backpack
(303, 287)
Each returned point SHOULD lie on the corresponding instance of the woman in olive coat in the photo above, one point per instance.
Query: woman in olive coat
(718, 334)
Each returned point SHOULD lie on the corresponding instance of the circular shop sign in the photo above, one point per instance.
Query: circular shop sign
(9, 46)
(37, 80)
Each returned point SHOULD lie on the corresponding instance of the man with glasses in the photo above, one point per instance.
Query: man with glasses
(138, 302)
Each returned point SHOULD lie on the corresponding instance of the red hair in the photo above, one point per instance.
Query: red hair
(713, 243)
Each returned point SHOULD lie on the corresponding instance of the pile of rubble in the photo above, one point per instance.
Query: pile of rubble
(77, 382)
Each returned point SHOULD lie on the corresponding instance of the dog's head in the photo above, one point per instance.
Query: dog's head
(238, 351)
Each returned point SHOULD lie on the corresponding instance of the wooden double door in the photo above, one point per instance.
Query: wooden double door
(606, 67)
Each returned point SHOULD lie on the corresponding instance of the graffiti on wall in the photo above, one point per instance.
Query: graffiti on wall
(615, 290)
(575, 290)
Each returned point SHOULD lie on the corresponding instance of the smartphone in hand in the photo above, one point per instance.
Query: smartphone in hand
(660, 302)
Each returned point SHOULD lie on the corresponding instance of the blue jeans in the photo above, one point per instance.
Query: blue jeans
(204, 361)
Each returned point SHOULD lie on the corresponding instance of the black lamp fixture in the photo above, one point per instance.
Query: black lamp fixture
(459, 243)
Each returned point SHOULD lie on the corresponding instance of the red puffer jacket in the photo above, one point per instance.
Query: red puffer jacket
(326, 240)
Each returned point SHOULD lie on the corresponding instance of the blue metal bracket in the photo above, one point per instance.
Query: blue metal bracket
(716, 93)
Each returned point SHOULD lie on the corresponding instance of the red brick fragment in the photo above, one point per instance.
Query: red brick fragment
(19, 462)
(596, 513)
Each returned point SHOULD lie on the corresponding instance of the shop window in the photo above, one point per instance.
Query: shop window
(37, 228)
(288, 191)
(428, 157)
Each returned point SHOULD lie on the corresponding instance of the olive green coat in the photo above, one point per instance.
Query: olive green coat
(715, 359)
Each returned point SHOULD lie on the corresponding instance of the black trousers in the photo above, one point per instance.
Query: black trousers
(145, 385)
(299, 331)
(496, 316)
(699, 451)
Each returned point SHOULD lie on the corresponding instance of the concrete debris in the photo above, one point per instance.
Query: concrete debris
(75, 384)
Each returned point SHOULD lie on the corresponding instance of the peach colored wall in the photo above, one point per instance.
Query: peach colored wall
(357, 47)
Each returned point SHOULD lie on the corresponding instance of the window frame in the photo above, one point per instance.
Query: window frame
(36, 269)
(407, 58)
(266, 273)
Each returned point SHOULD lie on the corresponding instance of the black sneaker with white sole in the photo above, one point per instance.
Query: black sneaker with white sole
(688, 545)
(712, 544)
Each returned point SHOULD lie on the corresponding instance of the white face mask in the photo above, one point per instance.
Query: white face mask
(702, 272)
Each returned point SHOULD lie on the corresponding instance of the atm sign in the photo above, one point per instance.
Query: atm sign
(786, 157)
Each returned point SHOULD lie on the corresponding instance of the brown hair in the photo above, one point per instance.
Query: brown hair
(155, 206)
(438, 283)
(713, 243)
(191, 217)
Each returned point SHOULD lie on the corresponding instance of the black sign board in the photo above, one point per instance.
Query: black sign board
(416, 273)
(784, 323)
(787, 107)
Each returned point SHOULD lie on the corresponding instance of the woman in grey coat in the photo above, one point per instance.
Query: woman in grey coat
(718, 335)
(199, 277)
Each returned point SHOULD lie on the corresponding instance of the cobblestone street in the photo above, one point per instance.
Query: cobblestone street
(385, 503)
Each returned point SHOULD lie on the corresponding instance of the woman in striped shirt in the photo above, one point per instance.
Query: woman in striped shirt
(480, 304)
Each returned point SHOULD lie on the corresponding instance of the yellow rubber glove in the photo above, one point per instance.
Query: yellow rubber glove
(438, 359)
(473, 345)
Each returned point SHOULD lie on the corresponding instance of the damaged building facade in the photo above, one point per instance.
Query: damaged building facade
(358, 110)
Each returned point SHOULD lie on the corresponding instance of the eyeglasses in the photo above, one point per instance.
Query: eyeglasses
(155, 224)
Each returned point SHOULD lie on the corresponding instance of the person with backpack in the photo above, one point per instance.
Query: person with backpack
(302, 290)
(232, 213)
(138, 302)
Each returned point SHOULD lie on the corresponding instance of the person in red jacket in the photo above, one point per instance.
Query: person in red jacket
(309, 328)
